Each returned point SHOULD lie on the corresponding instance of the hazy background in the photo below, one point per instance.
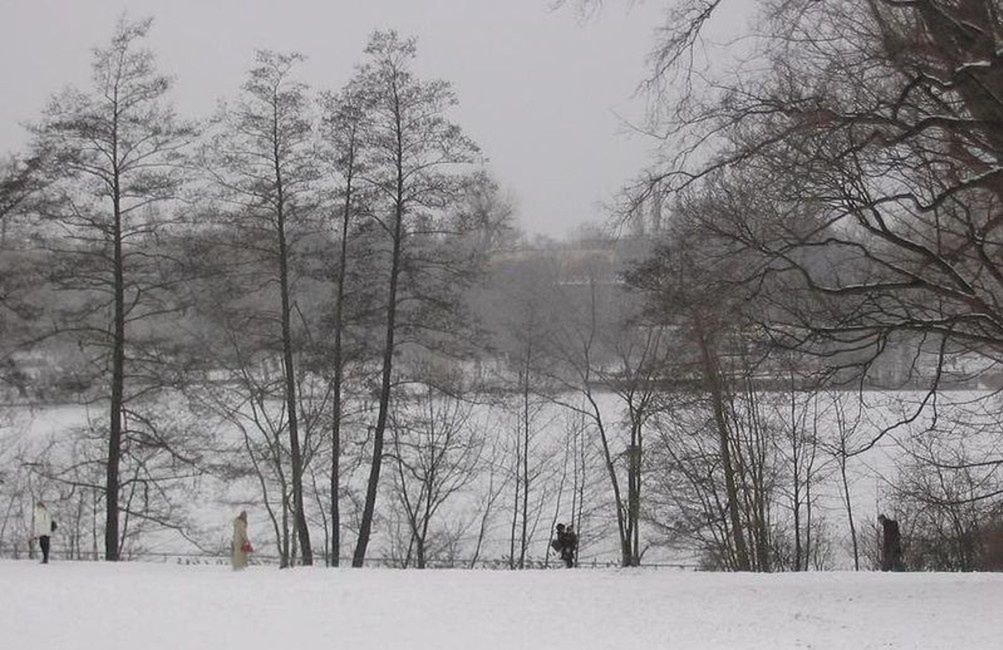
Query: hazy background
(541, 90)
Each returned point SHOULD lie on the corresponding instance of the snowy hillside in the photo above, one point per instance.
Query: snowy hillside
(137, 605)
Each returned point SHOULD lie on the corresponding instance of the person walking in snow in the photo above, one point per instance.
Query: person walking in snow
(559, 540)
(44, 526)
(891, 544)
(565, 543)
(240, 546)
(570, 546)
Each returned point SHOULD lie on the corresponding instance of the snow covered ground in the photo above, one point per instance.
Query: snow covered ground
(130, 606)
(210, 510)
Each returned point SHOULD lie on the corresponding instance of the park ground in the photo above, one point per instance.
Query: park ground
(130, 605)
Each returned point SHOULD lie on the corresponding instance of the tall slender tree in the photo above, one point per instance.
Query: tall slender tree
(414, 158)
(341, 124)
(263, 161)
(112, 154)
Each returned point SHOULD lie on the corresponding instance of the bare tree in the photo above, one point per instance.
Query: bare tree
(488, 498)
(888, 115)
(582, 355)
(342, 122)
(688, 285)
(262, 162)
(437, 454)
(848, 420)
(412, 154)
(113, 157)
(946, 493)
(519, 304)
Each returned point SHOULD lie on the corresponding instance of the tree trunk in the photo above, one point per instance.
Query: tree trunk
(111, 541)
(335, 481)
(515, 500)
(634, 501)
(713, 384)
(339, 321)
(849, 507)
(617, 496)
(366, 523)
(296, 457)
(525, 463)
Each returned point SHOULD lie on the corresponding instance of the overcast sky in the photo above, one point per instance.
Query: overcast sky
(539, 89)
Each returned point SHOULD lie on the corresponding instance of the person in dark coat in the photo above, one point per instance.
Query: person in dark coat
(558, 542)
(891, 544)
(570, 548)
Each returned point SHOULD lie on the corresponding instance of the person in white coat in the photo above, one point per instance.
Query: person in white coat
(240, 545)
(43, 529)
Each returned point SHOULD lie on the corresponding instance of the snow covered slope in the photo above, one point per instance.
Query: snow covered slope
(130, 606)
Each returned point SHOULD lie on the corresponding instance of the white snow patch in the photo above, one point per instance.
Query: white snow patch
(137, 605)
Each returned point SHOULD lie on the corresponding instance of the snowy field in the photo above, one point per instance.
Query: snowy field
(210, 510)
(130, 606)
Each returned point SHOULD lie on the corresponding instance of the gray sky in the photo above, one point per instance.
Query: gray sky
(539, 90)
